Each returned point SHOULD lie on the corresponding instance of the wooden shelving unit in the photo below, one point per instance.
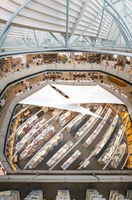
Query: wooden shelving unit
(6, 64)
(49, 58)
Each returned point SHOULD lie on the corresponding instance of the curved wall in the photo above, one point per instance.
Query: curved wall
(13, 77)
(10, 110)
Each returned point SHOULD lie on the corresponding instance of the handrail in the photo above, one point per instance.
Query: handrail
(18, 76)
(66, 178)
(72, 172)
(4, 126)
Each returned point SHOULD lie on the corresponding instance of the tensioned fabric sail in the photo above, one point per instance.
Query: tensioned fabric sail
(73, 90)
(87, 94)
(49, 97)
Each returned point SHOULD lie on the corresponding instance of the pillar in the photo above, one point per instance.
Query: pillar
(24, 59)
(72, 57)
(101, 58)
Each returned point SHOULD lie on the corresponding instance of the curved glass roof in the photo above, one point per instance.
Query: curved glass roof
(82, 25)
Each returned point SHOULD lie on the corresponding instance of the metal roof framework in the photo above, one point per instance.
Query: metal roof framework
(56, 25)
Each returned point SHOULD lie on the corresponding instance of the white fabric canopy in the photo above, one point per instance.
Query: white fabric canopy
(49, 97)
(73, 90)
(87, 94)
(46, 96)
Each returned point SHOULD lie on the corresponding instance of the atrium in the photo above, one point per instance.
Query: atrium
(66, 100)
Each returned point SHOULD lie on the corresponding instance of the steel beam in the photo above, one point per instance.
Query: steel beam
(79, 17)
(122, 31)
(120, 16)
(35, 38)
(8, 23)
(109, 32)
(59, 49)
(98, 32)
(83, 32)
(87, 41)
(2, 41)
(56, 38)
(67, 23)
(128, 14)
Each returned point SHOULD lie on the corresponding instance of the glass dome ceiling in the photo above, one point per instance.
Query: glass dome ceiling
(65, 25)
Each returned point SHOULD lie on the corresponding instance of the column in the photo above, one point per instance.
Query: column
(72, 57)
(23, 59)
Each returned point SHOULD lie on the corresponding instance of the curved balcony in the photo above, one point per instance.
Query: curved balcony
(11, 107)
(13, 77)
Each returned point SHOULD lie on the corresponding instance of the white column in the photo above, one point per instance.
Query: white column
(72, 56)
(24, 59)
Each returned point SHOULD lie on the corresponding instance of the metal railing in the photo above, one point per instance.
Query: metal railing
(18, 76)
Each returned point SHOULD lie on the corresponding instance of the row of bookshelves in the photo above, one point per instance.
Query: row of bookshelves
(38, 141)
(106, 136)
(115, 142)
(98, 129)
(42, 153)
(59, 153)
(88, 124)
(65, 194)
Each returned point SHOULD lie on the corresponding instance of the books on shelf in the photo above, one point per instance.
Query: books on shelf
(88, 124)
(26, 126)
(97, 130)
(76, 122)
(58, 155)
(105, 157)
(56, 114)
(115, 195)
(70, 160)
(93, 194)
(64, 118)
(27, 138)
(63, 195)
(42, 153)
(106, 136)
(118, 155)
(129, 194)
(42, 137)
